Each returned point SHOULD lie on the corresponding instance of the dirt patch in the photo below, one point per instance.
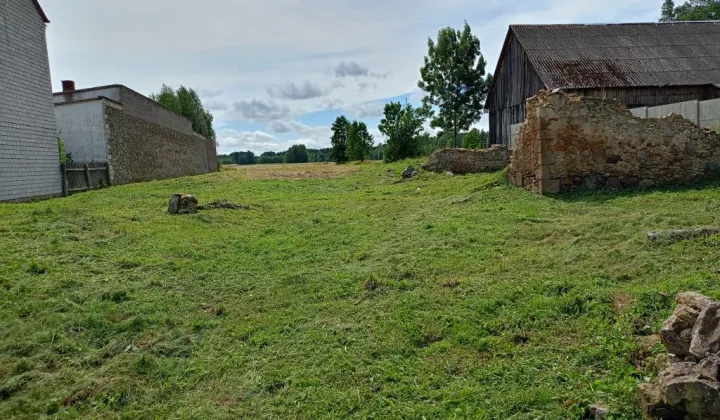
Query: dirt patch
(621, 301)
(295, 170)
(223, 204)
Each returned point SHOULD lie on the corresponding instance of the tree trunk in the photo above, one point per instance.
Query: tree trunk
(455, 134)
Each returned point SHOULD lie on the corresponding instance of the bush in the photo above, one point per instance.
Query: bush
(64, 156)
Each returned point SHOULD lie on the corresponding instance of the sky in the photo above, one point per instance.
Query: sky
(278, 72)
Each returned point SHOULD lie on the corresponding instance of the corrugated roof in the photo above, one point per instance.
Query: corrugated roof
(40, 10)
(623, 55)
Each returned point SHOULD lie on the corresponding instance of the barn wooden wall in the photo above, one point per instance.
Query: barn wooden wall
(516, 80)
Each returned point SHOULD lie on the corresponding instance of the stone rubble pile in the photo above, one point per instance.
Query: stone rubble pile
(688, 387)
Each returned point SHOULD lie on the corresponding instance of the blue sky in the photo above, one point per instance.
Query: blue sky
(278, 72)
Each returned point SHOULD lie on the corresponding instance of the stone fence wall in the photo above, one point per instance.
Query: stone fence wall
(465, 161)
(573, 142)
(139, 150)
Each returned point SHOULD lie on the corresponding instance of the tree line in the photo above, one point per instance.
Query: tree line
(295, 154)
(186, 102)
(691, 10)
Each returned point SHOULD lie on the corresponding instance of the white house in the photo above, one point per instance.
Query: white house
(29, 161)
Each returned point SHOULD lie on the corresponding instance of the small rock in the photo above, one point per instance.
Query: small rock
(646, 183)
(630, 182)
(613, 183)
(408, 172)
(182, 204)
(449, 173)
(598, 412)
(709, 369)
(594, 181)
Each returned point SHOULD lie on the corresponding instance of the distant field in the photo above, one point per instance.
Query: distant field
(341, 293)
(295, 171)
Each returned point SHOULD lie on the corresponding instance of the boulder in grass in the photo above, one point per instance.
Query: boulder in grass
(409, 172)
(182, 204)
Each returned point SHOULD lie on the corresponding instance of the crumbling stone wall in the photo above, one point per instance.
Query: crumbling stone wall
(574, 142)
(139, 150)
(465, 161)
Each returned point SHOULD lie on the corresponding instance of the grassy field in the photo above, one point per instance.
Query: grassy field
(341, 293)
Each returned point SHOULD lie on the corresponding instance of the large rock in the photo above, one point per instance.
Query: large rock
(676, 331)
(700, 397)
(465, 161)
(694, 300)
(182, 204)
(689, 388)
(706, 332)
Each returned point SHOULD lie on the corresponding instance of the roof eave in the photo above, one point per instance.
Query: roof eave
(506, 45)
(41, 11)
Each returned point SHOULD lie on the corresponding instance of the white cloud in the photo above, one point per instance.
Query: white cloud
(280, 127)
(331, 104)
(367, 109)
(350, 69)
(246, 140)
(365, 86)
(318, 134)
(291, 91)
(257, 110)
(208, 93)
(215, 106)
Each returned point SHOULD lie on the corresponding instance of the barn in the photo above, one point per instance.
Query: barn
(641, 64)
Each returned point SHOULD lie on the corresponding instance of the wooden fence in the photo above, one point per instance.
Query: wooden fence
(84, 176)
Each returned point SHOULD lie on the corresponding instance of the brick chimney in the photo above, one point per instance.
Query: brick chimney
(68, 86)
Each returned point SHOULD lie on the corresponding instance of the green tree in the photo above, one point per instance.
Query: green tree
(403, 127)
(360, 141)
(243, 158)
(226, 159)
(668, 11)
(476, 139)
(297, 153)
(472, 140)
(187, 103)
(691, 10)
(453, 78)
(339, 140)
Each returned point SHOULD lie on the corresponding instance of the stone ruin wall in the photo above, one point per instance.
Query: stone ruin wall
(572, 142)
(466, 161)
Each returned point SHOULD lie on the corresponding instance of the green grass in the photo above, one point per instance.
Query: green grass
(347, 297)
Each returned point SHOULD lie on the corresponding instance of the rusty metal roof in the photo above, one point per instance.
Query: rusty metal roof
(623, 55)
